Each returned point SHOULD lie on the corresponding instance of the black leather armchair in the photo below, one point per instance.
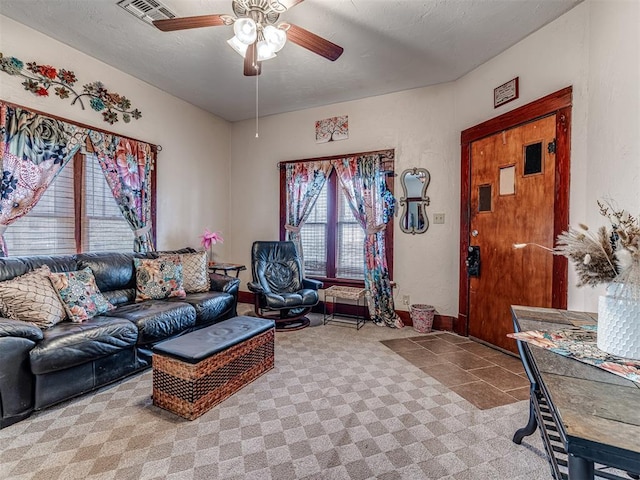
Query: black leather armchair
(281, 292)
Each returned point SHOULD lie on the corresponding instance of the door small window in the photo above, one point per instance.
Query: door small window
(484, 198)
(533, 158)
(508, 180)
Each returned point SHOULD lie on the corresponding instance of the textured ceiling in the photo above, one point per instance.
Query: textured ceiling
(388, 46)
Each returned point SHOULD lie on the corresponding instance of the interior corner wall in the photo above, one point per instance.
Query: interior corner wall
(594, 48)
(416, 123)
(192, 186)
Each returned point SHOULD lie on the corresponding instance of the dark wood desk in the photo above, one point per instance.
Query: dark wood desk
(586, 415)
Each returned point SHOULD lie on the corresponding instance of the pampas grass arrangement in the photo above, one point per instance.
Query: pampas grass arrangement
(608, 255)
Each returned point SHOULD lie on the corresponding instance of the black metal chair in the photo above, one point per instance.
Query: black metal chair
(281, 292)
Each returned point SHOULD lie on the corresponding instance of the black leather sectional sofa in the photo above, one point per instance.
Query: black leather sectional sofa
(39, 368)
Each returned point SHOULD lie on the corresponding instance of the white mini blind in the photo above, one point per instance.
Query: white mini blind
(104, 227)
(314, 238)
(349, 242)
(48, 228)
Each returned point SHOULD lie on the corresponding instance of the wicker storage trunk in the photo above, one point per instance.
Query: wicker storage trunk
(191, 389)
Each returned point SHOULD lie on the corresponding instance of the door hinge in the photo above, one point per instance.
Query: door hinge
(551, 147)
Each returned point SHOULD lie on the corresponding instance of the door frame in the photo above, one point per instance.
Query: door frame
(558, 103)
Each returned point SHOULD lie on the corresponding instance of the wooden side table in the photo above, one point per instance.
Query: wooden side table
(348, 293)
(226, 268)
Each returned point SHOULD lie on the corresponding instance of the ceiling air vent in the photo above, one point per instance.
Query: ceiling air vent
(147, 10)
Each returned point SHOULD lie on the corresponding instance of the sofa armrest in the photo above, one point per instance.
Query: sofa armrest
(224, 283)
(17, 383)
(17, 328)
(312, 284)
(255, 287)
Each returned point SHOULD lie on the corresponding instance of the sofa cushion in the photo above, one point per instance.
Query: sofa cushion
(195, 272)
(160, 278)
(117, 297)
(157, 319)
(210, 306)
(69, 344)
(32, 298)
(113, 271)
(81, 298)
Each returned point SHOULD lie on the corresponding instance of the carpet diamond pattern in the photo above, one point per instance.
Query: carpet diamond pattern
(338, 405)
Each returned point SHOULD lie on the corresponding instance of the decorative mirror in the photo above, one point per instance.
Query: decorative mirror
(414, 215)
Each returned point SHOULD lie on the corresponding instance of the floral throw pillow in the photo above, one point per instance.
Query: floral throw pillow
(158, 278)
(31, 298)
(80, 295)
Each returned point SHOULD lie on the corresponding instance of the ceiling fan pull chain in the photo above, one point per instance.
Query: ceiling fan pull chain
(257, 77)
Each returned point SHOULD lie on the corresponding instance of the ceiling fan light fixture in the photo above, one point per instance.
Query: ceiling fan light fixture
(238, 46)
(246, 30)
(265, 51)
(275, 37)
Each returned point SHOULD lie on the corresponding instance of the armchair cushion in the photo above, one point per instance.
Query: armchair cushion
(301, 298)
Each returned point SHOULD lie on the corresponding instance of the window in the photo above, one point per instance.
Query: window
(63, 223)
(349, 242)
(103, 226)
(332, 239)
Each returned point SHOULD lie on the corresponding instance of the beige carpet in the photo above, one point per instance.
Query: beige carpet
(338, 405)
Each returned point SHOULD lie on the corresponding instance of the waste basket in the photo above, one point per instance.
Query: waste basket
(422, 317)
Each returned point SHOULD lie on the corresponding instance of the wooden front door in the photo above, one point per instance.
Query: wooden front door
(512, 193)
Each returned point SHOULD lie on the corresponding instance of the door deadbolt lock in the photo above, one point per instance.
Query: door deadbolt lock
(473, 261)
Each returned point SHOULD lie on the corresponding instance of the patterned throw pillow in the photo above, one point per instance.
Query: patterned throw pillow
(195, 272)
(158, 278)
(32, 298)
(80, 294)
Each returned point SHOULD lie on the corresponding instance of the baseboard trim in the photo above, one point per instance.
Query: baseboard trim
(440, 322)
(245, 297)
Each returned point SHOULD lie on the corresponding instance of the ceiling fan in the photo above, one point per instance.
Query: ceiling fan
(257, 38)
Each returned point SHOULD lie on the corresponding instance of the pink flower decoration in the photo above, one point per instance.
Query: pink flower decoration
(210, 238)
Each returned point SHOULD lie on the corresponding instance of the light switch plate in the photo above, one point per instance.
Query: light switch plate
(438, 218)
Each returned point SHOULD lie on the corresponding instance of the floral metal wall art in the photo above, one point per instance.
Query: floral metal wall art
(40, 79)
(332, 129)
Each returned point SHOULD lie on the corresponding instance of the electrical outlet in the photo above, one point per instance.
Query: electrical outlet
(438, 218)
(406, 299)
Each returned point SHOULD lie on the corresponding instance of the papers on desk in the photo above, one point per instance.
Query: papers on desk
(580, 344)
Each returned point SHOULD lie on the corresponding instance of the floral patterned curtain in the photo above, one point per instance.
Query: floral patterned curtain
(126, 165)
(34, 149)
(304, 181)
(372, 204)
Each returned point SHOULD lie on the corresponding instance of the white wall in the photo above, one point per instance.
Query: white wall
(192, 168)
(594, 47)
(213, 174)
(417, 123)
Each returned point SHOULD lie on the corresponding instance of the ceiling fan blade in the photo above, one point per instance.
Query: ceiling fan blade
(251, 66)
(312, 42)
(183, 23)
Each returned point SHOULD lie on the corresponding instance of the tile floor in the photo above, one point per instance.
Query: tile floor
(485, 377)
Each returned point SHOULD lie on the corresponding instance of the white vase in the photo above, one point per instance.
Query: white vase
(619, 326)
